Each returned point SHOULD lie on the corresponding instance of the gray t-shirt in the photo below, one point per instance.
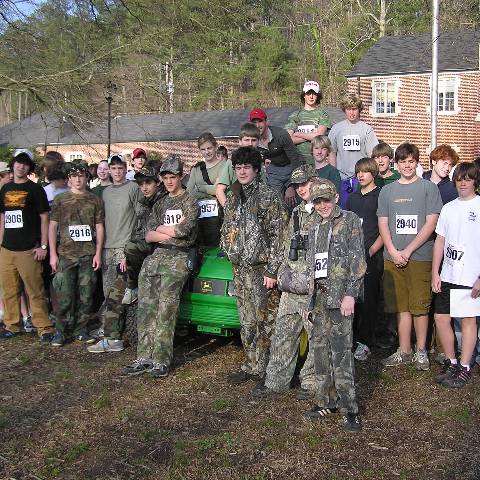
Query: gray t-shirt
(120, 201)
(407, 206)
(351, 142)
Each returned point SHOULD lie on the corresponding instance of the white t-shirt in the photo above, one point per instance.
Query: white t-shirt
(459, 224)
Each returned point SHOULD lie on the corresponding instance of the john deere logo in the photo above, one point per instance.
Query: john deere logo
(206, 286)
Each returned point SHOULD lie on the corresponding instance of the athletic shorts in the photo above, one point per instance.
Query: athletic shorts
(407, 289)
(442, 299)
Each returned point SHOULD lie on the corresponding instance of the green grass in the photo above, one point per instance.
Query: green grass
(220, 404)
(457, 413)
(103, 401)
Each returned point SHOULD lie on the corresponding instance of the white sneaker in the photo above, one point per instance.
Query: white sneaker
(420, 359)
(130, 296)
(361, 352)
(106, 345)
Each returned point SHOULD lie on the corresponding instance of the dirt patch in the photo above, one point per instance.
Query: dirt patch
(68, 414)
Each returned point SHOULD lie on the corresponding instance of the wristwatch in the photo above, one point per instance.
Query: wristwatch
(43, 247)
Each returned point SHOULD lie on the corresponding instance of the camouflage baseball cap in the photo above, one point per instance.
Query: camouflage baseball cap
(302, 174)
(172, 164)
(77, 167)
(324, 189)
(146, 172)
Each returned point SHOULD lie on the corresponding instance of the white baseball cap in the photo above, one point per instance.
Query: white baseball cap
(311, 85)
(27, 152)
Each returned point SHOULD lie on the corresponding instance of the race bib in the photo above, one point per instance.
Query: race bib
(454, 255)
(172, 217)
(306, 128)
(321, 262)
(14, 219)
(80, 233)
(351, 143)
(406, 224)
(208, 208)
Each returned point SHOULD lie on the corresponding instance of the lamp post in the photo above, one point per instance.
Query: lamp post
(110, 90)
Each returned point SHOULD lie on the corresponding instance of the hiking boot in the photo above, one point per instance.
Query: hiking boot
(58, 340)
(397, 358)
(106, 345)
(461, 377)
(420, 358)
(361, 352)
(85, 338)
(28, 325)
(304, 394)
(448, 370)
(352, 423)
(138, 366)
(159, 370)
(46, 338)
(318, 412)
(240, 377)
(6, 334)
(130, 296)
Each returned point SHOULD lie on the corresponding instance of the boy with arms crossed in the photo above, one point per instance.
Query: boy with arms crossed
(407, 215)
(458, 231)
(78, 217)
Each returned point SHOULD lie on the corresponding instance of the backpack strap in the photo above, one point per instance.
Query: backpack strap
(203, 168)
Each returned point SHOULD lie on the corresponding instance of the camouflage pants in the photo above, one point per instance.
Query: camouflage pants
(285, 343)
(257, 309)
(333, 359)
(136, 252)
(74, 283)
(111, 257)
(160, 285)
(114, 314)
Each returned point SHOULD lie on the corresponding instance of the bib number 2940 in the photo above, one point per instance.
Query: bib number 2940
(406, 224)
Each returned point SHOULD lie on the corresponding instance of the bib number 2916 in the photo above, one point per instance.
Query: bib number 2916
(80, 233)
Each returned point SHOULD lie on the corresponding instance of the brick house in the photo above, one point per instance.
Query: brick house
(393, 79)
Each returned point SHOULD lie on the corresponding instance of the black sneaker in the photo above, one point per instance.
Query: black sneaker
(240, 377)
(159, 370)
(46, 338)
(461, 377)
(58, 340)
(304, 394)
(7, 334)
(138, 366)
(318, 412)
(448, 370)
(351, 423)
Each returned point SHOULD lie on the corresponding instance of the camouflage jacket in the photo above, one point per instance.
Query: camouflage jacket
(143, 208)
(342, 237)
(293, 275)
(180, 212)
(253, 226)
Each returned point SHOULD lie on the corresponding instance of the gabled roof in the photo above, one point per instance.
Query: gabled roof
(457, 51)
(180, 126)
(38, 129)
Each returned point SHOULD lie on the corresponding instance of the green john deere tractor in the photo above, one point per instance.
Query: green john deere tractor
(208, 301)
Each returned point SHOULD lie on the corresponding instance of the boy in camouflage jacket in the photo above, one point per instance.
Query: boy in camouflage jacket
(337, 257)
(252, 233)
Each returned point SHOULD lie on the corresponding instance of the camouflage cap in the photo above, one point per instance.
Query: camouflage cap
(146, 172)
(302, 174)
(324, 189)
(77, 167)
(172, 164)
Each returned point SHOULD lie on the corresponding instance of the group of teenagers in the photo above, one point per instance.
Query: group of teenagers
(318, 227)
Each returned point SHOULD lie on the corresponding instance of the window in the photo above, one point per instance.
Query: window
(447, 95)
(74, 156)
(385, 97)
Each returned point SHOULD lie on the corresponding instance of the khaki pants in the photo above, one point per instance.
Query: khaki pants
(13, 267)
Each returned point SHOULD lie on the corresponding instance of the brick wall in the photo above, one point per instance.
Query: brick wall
(187, 150)
(412, 124)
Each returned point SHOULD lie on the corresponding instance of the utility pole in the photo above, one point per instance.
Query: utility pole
(170, 85)
(110, 89)
(434, 82)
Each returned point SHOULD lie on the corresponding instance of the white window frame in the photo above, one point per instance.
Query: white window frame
(71, 156)
(448, 85)
(386, 84)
